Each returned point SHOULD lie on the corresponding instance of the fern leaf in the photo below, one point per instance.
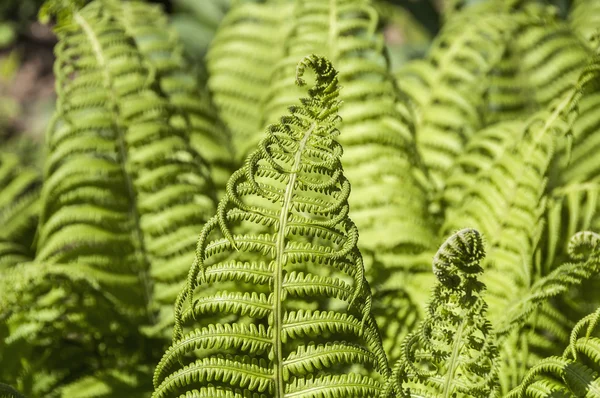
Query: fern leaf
(124, 191)
(240, 59)
(159, 44)
(19, 199)
(452, 352)
(294, 338)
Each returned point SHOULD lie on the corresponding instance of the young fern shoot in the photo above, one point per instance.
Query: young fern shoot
(452, 353)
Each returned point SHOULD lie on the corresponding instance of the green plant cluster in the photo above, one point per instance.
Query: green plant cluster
(310, 223)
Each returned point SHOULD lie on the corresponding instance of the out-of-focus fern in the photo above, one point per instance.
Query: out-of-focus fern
(241, 57)
(283, 310)
(19, 193)
(584, 18)
(452, 353)
(124, 191)
(194, 112)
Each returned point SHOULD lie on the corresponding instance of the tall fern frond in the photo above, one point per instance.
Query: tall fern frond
(388, 202)
(19, 201)
(452, 353)
(240, 59)
(276, 302)
(124, 193)
(194, 112)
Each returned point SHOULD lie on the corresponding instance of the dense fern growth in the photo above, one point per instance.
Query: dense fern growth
(452, 352)
(283, 310)
(123, 185)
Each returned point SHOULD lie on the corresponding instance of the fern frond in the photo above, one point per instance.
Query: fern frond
(452, 353)
(194, 112)
(7, 391)
(19, 208)
(124, 191)
(388, 202)
(573, 374)
(448, 86)
(294, 287)
(240, 59)
(584, 18)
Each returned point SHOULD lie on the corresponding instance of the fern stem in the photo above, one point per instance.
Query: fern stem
(280, 260)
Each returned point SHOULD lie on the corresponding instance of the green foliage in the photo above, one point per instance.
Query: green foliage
(265, 312)
(150, 247)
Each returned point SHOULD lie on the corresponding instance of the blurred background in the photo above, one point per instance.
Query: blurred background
(26, 54)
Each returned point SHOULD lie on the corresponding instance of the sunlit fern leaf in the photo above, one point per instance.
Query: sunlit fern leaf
(282, 310)
(60, 325)
(448, 86)
(584, 18)
(19, 194)
(7, 391)
(388, 201)
(452, 353)
(124, 191)
(575, 373)
(240, 59)
(148, 26)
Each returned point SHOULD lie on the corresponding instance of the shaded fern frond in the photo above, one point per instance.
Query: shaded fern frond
(19, 195)
(125, 193)
(452, 352)
(7, 391)
(276, 302)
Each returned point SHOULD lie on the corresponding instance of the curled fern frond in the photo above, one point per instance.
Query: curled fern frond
(389, 201)
(452, 352)
(7, 391)
(278, 267)
(19, 208)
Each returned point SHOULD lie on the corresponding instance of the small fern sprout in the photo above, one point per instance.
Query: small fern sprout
(276, 303)
(453, 351)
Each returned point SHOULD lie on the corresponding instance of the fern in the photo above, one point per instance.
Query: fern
(113, 153)
(380, 157)
(452, 352)
(575, 373)
(195, 113)
(283, 310)
(19, 193)
(250, 34)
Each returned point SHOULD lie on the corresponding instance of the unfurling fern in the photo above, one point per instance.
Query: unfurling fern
(452, 353)
(388, 202)
(276, 302)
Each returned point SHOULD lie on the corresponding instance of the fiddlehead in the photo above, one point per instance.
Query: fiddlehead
(452, 352)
